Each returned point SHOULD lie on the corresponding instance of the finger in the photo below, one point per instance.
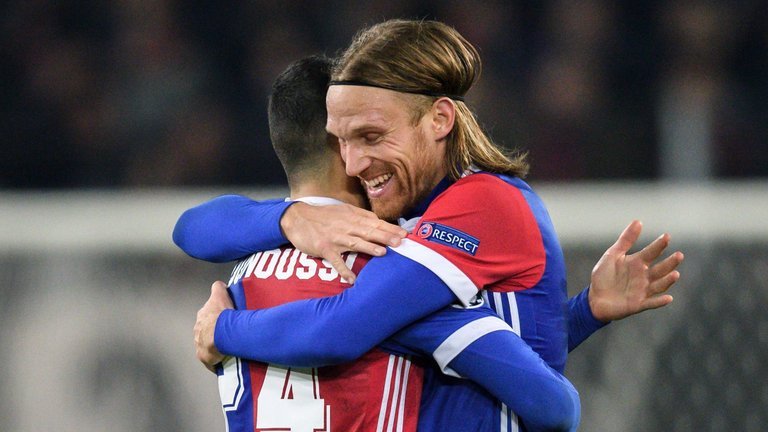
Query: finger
(665, 266)
(357, 210)
(338, 264)
(218, 286)
(380, 232)
(369, 218)
(654, 249)
(663, 284)
(657, 302)
(354, 214)
(220, 296)
(626, 239)
(393, 229)
(355, 243)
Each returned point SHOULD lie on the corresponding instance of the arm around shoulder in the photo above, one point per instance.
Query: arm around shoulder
(390, 293)
(230, 227)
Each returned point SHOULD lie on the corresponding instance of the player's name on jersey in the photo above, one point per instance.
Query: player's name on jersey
(287, 263)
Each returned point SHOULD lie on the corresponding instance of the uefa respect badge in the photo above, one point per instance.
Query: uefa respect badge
(448, 236)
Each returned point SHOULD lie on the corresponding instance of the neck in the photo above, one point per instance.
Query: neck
(329, 179)
(348, 197)
(331, 185)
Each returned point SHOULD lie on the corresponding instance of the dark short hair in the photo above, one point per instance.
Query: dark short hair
(297, 115)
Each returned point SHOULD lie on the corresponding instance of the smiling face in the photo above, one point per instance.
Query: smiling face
(397, 161)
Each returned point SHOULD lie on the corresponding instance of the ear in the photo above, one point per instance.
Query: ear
(443, 117)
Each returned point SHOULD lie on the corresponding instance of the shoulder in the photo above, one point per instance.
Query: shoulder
(484, 193)
(481, 180)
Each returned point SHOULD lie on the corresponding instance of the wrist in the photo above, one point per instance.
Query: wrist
(594, 309)
(288, 219)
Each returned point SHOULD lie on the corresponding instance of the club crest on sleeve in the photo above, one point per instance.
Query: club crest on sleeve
(448, 236)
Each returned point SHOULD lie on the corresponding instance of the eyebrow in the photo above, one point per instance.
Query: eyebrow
(364, 126)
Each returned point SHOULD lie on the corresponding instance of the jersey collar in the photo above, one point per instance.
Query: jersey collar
(421, 207)
(317, 200)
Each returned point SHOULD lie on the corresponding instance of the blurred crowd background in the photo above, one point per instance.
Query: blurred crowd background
(101, 98)
(173, 93)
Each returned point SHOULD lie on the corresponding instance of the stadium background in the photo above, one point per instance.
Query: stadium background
(118, 115)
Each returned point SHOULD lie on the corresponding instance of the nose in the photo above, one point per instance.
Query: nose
(355, 159)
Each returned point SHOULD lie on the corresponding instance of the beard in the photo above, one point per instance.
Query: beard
(390, 209)
(409, 191)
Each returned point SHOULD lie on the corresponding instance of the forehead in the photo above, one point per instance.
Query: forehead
(355, 107)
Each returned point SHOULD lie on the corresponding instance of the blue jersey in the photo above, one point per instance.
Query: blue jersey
(495, 235)
(485, 232)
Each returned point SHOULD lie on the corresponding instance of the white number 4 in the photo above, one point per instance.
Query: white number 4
(290, 400)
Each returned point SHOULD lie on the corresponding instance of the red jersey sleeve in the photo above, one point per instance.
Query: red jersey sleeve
(486, 229)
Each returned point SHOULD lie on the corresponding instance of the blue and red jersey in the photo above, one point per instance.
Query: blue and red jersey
(484, 239)
(377, 392)
(495, 235)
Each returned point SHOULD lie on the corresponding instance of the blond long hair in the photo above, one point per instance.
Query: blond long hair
(429, 58)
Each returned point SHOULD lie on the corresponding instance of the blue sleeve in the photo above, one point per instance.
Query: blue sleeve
(390, 292)
(230, 227)
(581, 322)
(477, 345)
(502, 363)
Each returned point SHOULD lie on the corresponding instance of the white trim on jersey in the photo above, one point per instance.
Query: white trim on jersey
(231, 384)
(514, 313)
(317, 200)
(508, 420)
(393, 402)
(461, 285)
(409, 224)
(462, 338)
(401, 407)
(393, 398)
(499, 301)
(385, 395)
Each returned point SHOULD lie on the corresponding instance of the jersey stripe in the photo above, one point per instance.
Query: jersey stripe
(509, 420)
(498, 306)
(401, 408)
(505, 305)
(392, 412)
(514, 315)
(385, 396)
(504, 420)
(461, 285)
(462, 338)
(513, 426)
(396, 393)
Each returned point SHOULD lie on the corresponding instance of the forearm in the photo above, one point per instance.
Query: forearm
(581, 322)
(503, 364)
(390, 292)
(477, 345)
(230, 227)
